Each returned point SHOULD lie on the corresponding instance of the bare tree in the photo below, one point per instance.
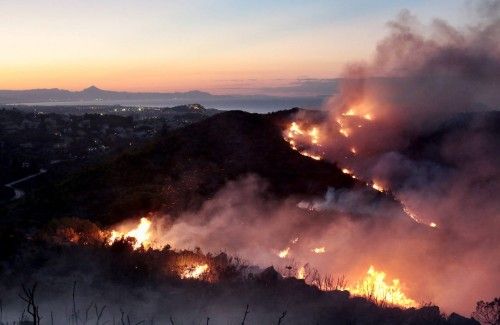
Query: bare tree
(87, 312)
(28, 295)
(98, 313)
(75, 312)
(283, 314)
(488, 312)
(245, 316)
(122, 316)
(341, 283)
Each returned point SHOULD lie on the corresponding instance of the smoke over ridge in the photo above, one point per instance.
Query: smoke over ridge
(415, 120)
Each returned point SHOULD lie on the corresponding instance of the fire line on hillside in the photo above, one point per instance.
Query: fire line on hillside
(373, 286)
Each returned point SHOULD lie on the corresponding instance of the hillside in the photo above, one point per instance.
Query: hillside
(179, 170)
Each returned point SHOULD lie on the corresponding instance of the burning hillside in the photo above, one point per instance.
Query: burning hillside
(372, 286)
(187, 265)
(420, 132)
(362, 212)
(294, 135)
(180, 286)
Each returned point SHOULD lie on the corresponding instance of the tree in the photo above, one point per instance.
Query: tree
(28, 295)
(488, 312)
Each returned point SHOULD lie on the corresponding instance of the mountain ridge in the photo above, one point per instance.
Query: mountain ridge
(90, 93)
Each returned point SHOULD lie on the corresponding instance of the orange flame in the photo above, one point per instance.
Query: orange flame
(194, 272)
(284, 253)
(345, 132)
(378, 187)
(319, 250)
(314, 134)
(374, 287)
(140, 234)
(295, 134)
(301, 273)
(346, 171)
(310, 155)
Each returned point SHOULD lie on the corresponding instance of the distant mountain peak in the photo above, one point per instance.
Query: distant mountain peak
(92, 89)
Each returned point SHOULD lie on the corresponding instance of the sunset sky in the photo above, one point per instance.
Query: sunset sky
(214, 45)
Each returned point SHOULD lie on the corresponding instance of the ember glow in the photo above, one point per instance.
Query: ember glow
(319, 250)
(140, 234)
(415, 218)
(374, 287)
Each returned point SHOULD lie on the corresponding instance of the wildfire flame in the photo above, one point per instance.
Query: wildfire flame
(414, 217)
(310, 139)
(347, 171)
(361, 110)
(350, 112)
(194, 272)
(307, 138)
(284, 253)
(314, 134)
(310, 155)
(140, 234)
(345, 132)
(374, 287)
(301, 273)
(378, 187)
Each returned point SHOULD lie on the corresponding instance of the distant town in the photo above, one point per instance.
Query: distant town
(39, 138)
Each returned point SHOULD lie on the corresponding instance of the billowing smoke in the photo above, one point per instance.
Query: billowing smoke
(420, 120)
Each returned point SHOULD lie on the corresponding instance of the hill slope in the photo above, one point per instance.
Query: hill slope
(183, 168)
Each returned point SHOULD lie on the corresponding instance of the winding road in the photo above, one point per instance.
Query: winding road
(18, 192)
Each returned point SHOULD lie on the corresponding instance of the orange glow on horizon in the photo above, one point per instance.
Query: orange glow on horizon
(218, 76)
